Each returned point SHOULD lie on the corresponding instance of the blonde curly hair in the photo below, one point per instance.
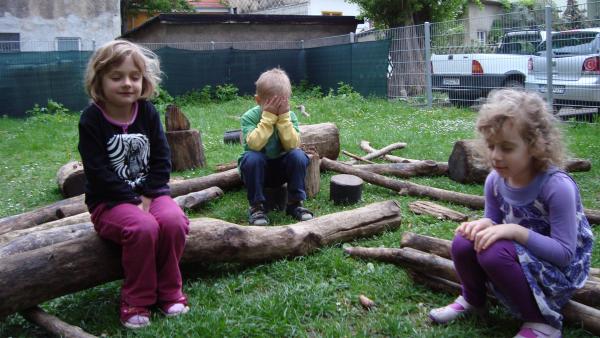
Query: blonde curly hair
(112, 54)
(273, 82)
(530, 114)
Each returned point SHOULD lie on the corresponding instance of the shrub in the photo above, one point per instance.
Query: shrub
(226, 92)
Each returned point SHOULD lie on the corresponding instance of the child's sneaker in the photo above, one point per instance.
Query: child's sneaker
(452, 311)
(538, 330)
(174, 308)
(297, 211)
(134, 317)
(257, 215)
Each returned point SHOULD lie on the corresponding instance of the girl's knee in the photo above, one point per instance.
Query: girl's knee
(144, 229)
(174, 222)
(498, 254)
(461, 247)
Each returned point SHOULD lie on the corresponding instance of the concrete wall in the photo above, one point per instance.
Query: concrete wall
(40, 22)
(480, 18)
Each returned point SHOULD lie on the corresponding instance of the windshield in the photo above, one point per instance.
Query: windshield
(519, 44)
(573, 43)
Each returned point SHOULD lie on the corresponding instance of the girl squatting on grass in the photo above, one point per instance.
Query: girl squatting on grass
(127, 165)
(533, 248)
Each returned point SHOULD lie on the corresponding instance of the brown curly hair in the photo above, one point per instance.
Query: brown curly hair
(530, 114)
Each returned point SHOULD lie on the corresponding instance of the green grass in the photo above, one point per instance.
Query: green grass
(310, 296)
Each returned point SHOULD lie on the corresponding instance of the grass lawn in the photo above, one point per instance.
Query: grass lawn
(311, 296)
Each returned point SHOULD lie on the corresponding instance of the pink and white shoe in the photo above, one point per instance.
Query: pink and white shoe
(452, 311)
(538, 330)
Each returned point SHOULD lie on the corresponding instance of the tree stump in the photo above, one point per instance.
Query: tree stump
(187, 151)
(71, 179)
(312, 182)
(345, 189)
(232, 136)
(464, 164)
(324, 138)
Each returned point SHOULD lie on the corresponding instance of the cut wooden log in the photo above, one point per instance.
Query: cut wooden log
(356, 157)
(187, 151)
(412, 189)
(323, 137)
(465, 165)
(71, 179)
(75, 205)
(52, 324)
(408, 188)
(195, 200)
(366, 146)
(61, 231)
(405, 170)
(32, 277)
(232, 136)
(175, 119)
(575, 313)
(226, 166)
(589, 294)
(312, 181)
(436, 210)
(345, 189)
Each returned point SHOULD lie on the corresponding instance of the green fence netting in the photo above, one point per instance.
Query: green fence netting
(29, 78)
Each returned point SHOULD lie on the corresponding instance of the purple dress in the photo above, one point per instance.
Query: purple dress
(552, 285)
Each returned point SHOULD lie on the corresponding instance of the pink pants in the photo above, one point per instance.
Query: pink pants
(152, 244)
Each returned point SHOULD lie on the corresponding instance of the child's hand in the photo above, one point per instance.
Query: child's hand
(272, 105)
(469, 229)
(145, 205)
(284, 105)
(485, 238)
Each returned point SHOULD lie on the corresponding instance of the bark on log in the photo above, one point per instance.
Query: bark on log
(75, 219)
(408, 188)
(366, 146)
(323, 137)
(405, 170)
(575, 313)
(32, 277)
(187, 151)
(71, 179)
(75, 205)
(175, 119)
(197, 199)
(53, 325)
(312, 182)
(436, 210)
(589, 294)
(226, 166)
(466, 166)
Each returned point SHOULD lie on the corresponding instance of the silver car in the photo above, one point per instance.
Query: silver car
(575, 68)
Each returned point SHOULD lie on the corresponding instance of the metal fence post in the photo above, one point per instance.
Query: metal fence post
(351, 37)
(428, 89)
(549, 53)
(93, 44)
(301, 44)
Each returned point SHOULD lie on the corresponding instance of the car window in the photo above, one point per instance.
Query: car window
(519, 44)
(572, 43)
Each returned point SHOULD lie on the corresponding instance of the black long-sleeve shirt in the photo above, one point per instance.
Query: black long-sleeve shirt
(123, 160)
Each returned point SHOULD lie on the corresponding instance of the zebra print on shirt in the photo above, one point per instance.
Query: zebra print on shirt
(129, 156)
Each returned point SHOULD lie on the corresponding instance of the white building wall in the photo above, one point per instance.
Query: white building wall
(39, 23)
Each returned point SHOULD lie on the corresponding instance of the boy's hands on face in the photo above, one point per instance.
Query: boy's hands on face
(276, 105)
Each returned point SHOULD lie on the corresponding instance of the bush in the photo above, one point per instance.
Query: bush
(52, 107)
(203, 95)
(162, 99)
(226, 92)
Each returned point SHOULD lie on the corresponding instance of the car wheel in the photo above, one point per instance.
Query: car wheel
(459, 99)
(513, 83)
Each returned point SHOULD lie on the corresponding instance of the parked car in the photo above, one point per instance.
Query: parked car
(467, 77)
(575, 68)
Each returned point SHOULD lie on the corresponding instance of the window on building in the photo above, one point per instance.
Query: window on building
(68, 43)
(331, 13)
(10, 42)
(481, 37)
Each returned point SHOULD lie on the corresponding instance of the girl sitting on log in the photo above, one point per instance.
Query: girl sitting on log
(533, 247)
(127, 165)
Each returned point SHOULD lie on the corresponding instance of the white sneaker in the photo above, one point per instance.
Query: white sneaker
(452, 311)
(538, 330)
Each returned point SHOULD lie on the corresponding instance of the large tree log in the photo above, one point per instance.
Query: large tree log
(465, 164)
(429, 264)
(75, 219)
(405, 170)
(32, 277)
(53, 325)
(71, 179)
(75, 205)
(412, 189)
(323, 137)
(589, 294)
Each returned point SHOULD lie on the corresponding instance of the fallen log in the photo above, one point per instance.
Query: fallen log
(226, 166)
(411, 189)
(75, 205)
(375, 153)
(32, 277)
(52, 324)
(33, 238)
(575, 313)
(366, 146)
(405, 170)
(466, 165)
(79, 218)
(356, 157)
(436, 210)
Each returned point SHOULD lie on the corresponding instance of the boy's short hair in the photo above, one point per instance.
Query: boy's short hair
(273, 82)
(112, 54)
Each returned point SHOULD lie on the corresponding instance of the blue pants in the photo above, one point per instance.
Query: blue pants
(259, 172)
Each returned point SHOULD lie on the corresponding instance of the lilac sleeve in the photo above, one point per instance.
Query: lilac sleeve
(492, 206)
(560, 195)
